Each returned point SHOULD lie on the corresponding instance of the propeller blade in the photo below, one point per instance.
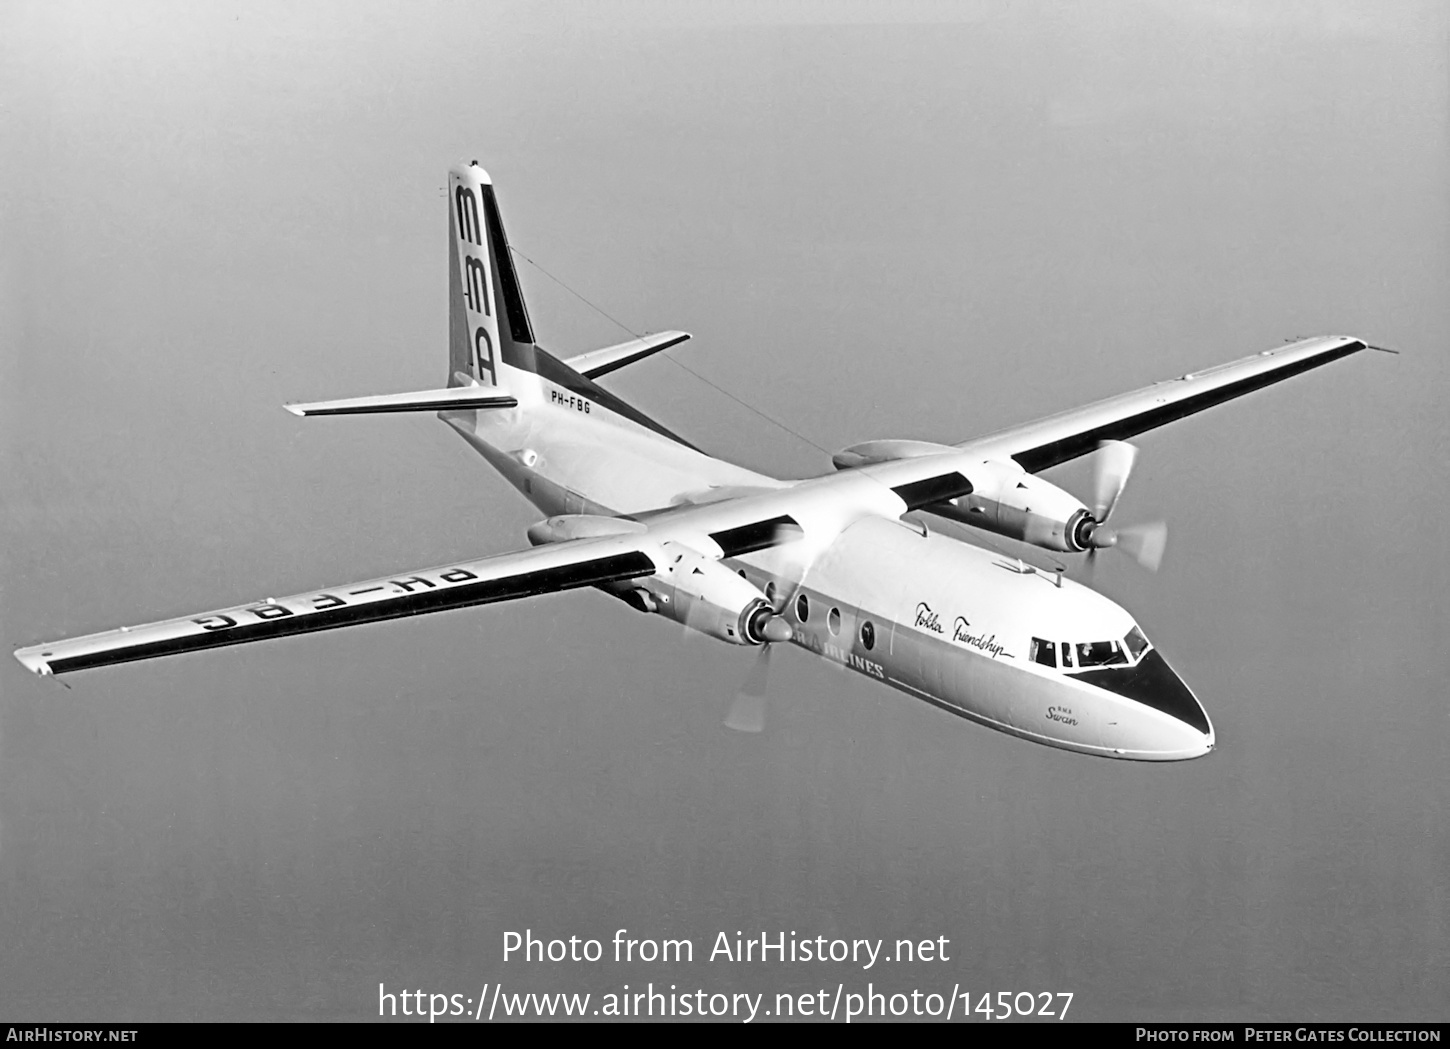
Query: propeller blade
(1144, 543)
(747, 713)
(1112, 468)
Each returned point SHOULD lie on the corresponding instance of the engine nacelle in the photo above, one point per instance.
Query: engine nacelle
(1009, 501)
(564, 527)
(706, 596)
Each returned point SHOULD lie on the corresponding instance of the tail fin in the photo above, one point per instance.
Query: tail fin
(488, 326)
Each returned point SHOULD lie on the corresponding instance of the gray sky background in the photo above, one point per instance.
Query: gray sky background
(878, 221)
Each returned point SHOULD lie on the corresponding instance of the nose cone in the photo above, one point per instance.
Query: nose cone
(1154, 684)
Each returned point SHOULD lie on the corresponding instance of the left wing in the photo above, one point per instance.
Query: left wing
(1058, 438)
(559, 566)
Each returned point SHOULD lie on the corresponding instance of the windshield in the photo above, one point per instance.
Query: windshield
(1083, 655)
(1136, 643)
(1099, 653)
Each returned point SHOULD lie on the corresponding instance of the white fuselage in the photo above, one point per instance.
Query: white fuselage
(955, 624)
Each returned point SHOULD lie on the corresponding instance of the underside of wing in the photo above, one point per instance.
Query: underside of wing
(1058, 438)
(560, 566)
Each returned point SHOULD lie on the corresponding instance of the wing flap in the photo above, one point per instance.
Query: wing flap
(560, 566)
(1058, 438)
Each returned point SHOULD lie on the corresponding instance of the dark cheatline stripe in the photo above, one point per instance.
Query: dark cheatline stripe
(1152, 683)
(939, 489)
(1043, 456)
(556, 371)
(758, 535)
(615, 365)
(461, 595)
(423, 406)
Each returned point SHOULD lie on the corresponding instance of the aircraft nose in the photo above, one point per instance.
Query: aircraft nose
(1153, 683)
(1164, 690)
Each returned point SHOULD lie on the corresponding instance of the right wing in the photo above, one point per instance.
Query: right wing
(544, 569)
(1067, 435)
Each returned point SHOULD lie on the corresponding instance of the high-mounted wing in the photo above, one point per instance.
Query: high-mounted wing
(595, 363)
(1058, 438)
(559, 566)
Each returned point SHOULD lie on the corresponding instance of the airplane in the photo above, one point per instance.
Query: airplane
(843, 565)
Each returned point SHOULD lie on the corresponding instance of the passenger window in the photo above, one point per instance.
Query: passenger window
(833, 621)
(868, 635)
(802, 608)
(1044, 652)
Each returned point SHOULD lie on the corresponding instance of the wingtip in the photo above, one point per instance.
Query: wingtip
(33, 660)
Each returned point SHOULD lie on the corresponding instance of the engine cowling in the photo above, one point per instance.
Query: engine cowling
(564, 527)
(1009, 501)
(706, 596)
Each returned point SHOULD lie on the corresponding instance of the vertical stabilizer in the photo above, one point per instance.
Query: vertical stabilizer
(488, 325)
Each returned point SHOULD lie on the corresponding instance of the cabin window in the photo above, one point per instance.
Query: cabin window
(1136, 643)
(769, 592)
(1044, 652)
(833, 621)
(802, 608)
(1099, 654)
(868, 635)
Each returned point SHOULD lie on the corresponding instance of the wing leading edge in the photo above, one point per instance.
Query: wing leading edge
(1067, 435)
(545, 569)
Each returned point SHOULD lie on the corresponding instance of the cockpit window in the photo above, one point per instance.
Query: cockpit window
(1085, 655)
(1099, 654)
(1136, 643)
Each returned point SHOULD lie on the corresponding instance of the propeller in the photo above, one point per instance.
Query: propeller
(747, 711)
(1112, 468)
(1144, 543)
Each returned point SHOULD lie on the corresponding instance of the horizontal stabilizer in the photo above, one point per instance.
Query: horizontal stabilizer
(453, 398)
(611, 358)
